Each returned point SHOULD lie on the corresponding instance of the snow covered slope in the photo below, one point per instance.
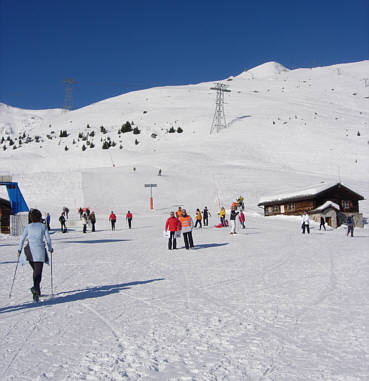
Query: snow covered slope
(287, 129)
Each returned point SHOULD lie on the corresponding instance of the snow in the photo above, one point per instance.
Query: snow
(326, 205)
(268, 303)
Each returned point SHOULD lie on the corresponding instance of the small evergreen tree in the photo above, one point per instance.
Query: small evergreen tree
(126, 127)
(136, 131)
(171, 130)
(83, 148)
(136, 142)
(66, 148)
(92, 145)
(179, 130)
(106, 145)
(103, 130)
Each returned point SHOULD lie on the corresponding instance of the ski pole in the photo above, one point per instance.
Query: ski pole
(51, 269)
(15, 272)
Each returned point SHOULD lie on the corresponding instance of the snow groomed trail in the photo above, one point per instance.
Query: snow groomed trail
(267, 304)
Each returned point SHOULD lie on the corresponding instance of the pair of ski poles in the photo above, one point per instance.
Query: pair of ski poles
(51, 279)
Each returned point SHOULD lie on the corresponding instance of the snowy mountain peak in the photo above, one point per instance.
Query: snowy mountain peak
(267, 69)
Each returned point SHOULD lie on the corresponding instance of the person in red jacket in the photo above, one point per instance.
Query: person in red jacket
(173, 225)
(112, 219)
(241, 217)
(129, 218)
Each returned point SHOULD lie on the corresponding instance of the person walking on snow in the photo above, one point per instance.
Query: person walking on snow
(205, 216)
(198, 218)
(47, 221)
(62, 223)
(186, 227)
(92, 219)
(350, 225)
(35, 252)
(232, 220)
(173, 225)
(84, 222)
(241, 217)
(112, 219)
(129, 218)
(322, 223)
(305, 223)
(222, 215)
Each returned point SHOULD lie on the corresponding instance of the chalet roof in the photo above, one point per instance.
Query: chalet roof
(327, 204)
(305, 194)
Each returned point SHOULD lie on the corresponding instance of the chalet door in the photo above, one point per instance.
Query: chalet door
(328, 220)
(282, 209)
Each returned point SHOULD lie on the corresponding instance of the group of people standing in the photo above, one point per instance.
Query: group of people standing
(179, 223)
(113, 219)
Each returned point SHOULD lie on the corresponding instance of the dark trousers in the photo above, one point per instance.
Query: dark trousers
(242, 224)
(93, 226)
(112, 224)
(172, 242)
(129, 222)
(198, 222)
(206, 221)
(188, 240)
(222, 220)
(37, 275)
(307, 227)
(322, 224)
(84, 228)
(63, 227)
(350, 229)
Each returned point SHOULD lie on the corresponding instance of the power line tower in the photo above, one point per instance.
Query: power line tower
(219, 120)
(68, 100)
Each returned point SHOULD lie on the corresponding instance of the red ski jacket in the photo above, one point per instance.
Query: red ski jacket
(129, 215)
(173, 224)
(112, 217)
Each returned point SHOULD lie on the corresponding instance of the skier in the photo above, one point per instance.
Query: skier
(159, 173)
(92, 219)
(174, 226)
(84, 222)
(322, 223)
(35, 252)
(47, 221)
(222, 215)
(80, 211)
(205, 216)
(88, 212)
(350, 225)
(112, 219)
(241, 217)
(198, 218)
(305, 223)
(186, 227)
(129, 218)
(62, 223)
(241, 203)
(232, 220)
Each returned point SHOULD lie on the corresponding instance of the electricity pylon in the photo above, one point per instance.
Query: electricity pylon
(68, 100)
(219, 120)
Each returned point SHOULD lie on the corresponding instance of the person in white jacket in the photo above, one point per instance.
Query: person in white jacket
(305, 223)
(35, 252)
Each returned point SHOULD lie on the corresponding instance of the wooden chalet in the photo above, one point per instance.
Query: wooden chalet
(5, 212)
(333, 202)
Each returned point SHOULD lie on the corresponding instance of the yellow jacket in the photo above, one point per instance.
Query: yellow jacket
(222, 213)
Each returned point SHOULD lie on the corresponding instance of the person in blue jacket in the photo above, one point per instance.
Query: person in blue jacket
(35, 251)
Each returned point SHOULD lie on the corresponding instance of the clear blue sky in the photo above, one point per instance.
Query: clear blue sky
(114, 46)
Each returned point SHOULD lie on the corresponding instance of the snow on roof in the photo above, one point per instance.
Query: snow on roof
(298, 194)
(326, 205)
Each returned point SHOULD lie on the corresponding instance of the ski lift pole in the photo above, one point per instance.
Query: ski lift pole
(151, 200)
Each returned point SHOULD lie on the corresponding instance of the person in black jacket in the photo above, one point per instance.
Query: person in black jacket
(232, 220)
(62, 223)
(205, 216)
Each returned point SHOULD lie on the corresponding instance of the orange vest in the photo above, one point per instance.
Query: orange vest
(179, 213)
(185, 221)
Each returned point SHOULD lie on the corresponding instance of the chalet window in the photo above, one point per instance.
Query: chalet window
(275, 208)
(346, 204)
(268, 210)
(291, 206)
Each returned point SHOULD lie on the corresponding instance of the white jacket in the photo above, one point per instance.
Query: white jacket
(306, 219)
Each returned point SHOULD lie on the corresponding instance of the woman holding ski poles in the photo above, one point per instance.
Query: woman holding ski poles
(35, 251)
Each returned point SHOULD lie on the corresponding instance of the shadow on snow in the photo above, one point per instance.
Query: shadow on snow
(207, 245)
(77, 295)
(99, 241)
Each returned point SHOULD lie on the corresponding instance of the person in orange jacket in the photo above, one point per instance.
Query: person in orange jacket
(198, 218)
(129, 218)
(112, 219)
(179, 212)
(186, 227)
(173, 225)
